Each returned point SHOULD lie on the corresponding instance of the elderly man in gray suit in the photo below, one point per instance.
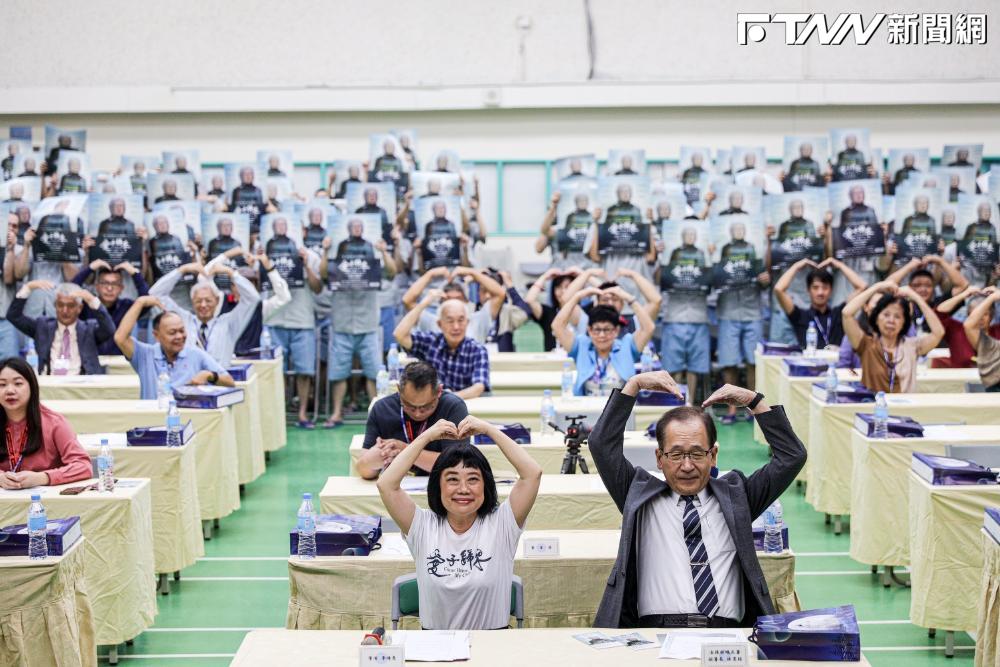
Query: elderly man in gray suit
(686, 556)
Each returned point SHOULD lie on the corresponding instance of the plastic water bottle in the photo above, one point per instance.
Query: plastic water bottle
(163, 392)
(306, 527)
(772, 529)
(174, 437)
(831, 384)
(812, 340)
(32, 356)
(265, 344)
(567, 380)
(38, 546)
(392, 360)
(881, 416)
(547, 414)
(382, 381)
(106, 467)
(646, 361)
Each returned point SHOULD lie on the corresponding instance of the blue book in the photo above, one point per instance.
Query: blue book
(803, 367)
(646, 397)
(517, 432)
(61, 534)
(829, 634)
(991, 522)
(758, 538)
(780, 349)
(261, 353)
(156, 436)
(945, 470)
(206, 396)
(240, 372)
(847, 392)
(337, 532)
(903, 427)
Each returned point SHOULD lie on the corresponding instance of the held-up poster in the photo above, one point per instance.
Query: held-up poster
(353, 261)
(438, 221)
(574, 215)
(686, 265)
(857, 216)
(737, 248)
(168, 242)
(623, 230)
(976, 231)
(281, 238)
(57, 222)
(916, 227)
(114, 221)
(795, 217)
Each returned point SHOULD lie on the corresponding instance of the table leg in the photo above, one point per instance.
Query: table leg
(206, 529)
(163, 584)
(113, 655)
(177, 575)
(838, 524)
(931, 632)
(895, 577)
(949, 644)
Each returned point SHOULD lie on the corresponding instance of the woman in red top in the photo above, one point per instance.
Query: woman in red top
(38, 447)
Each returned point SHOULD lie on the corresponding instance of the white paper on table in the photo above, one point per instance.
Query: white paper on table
(636, 641)
(943, 432)
(598, 640)
(897, 400)
(27, 493)
(412, 484)
(94, 439)
(433, 645)
(687, 645)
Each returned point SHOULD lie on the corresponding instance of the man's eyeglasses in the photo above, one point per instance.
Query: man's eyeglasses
(602, 331)
(696, 455)
(106, 284)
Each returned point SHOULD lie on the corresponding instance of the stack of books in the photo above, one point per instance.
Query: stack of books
(61, 534)
(948, 471)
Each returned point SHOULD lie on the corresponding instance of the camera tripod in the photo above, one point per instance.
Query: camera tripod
(574, 436)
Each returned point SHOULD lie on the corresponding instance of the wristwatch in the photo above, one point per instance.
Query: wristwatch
(215, 379)
(756, 399)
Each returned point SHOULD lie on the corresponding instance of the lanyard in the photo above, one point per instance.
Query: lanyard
(16, 459)
(600, 370)
(824, 332)
(408, 433)
(890, 365)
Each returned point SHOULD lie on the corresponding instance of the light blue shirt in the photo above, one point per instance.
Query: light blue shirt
(623, 357)
(148, 361)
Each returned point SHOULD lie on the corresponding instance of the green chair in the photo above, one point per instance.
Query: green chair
(406, 601)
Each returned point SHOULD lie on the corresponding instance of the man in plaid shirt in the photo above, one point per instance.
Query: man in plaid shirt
(462, 364)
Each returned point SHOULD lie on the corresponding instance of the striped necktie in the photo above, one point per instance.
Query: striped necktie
(704, 586)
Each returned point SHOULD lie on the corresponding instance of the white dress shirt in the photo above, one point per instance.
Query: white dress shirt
(74, 365)
(666, 585)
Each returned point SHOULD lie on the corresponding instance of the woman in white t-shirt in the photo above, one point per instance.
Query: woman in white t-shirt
(464, 545)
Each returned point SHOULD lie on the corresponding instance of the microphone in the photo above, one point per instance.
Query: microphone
(374, 638)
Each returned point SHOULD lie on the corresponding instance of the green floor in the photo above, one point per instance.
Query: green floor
(242, 583)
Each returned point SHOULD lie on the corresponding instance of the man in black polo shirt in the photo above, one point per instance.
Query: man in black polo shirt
(396, 420)
(820, 313)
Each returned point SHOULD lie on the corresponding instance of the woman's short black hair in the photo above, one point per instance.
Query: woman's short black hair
(883, 303)
(604, 314)
(34, 410)
(556, 282)
(466, 456)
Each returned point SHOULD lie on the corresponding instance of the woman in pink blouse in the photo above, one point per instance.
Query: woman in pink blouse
(38, 447)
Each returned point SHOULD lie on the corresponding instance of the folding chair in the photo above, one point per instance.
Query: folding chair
(406, 600)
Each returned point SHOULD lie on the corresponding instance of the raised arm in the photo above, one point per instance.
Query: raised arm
(398, 502)
(985, 307)
(560, 324)
(529, 473)
(249, 298)
(857, 282)
(648, 290)
(402, 331)
(546, 233)
(950, 305)
(851, 327)
(162, 288)
(954, 277)
(15, 314)
(531, 298)
(929, 341)
(785, 281)
(22, 265)
(486, 283)
(899, 275)
(123, 335)
(412, 295)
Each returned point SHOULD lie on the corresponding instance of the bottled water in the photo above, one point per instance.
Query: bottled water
(881, 416)
(547, 415)
(32, 356)
(174, 437)
(382, 381)
(163, 392)
(60, 365)
(265, 344)
(392, 360)
(812, 340)
(106, 467)
(646, 361)
(306, 527)
(567, 380)
(831, 384)
(38, 546)
(772, 528)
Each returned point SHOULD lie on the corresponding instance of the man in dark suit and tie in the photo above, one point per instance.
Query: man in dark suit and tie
(686, 556)
(66, 344)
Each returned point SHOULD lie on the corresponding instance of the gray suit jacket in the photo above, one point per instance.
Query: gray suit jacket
(741, 499)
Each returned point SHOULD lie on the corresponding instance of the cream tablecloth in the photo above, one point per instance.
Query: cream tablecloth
(215, 451)
(946, 556)
(830, 427)
(526, 409)
(880, 491)
(246, 414)
(353, 592)
(489, 648)
(177, 534)
(528, 361)
(547, 450)
(118, 550)
(988, 630)
(45, 614)
(564, 502)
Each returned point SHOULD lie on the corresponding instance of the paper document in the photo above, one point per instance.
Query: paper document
(687, 645)
(412, 484)
(598, 640)
(636, 641)
(433, 645)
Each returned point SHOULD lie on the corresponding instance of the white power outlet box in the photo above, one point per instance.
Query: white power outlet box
(541, 547)
(380, 656)
(725, 654)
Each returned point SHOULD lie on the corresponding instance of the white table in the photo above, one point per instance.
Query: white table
(526, 409)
